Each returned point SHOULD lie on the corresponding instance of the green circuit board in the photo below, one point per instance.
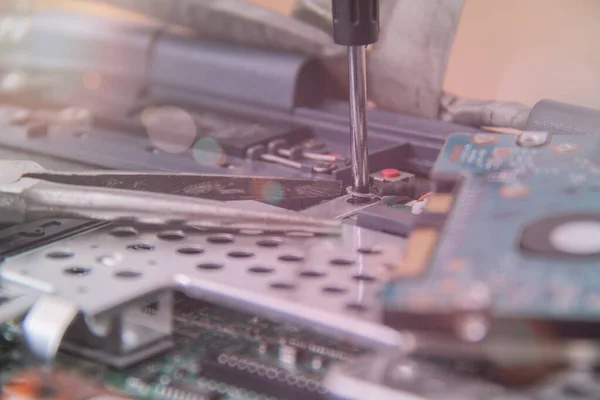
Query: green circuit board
(521, 231)
(219, 354)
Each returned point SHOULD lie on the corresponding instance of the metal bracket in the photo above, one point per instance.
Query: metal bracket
(330, 284)
(118, 338)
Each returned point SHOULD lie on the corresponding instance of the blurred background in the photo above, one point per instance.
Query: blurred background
(510, 50)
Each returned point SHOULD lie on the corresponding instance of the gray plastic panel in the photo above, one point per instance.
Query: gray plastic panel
(278, 80)
(563, 118)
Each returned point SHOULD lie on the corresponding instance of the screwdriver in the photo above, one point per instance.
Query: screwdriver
(356, 25)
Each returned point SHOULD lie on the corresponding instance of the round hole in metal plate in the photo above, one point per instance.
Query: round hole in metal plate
(270, 242)
(190, 251)
(312, 274)
(210, 266)
(356, 307)
(334, 290)
(370, 250)
(60, 254)
(128, 274)
(261, 270)
(283, 286)
(140, 247)
(291, 258)
(240, 254)
(341, 262)
(223, 238)
(123, 231)
(364, 278)
(77, 271)
(171, 235)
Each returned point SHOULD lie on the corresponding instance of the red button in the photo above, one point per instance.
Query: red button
(390, 173)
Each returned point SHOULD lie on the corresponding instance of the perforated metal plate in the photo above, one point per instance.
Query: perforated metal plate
(330, 283)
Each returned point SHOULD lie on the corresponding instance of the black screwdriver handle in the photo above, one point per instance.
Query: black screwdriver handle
(355, 22)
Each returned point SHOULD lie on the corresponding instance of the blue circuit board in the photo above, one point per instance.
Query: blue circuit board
(507, 191)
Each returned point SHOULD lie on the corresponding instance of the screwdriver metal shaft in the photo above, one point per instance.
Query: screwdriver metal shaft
(356, 25)
(358, 118)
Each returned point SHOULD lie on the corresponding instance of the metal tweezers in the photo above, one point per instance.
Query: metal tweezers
(29, 192)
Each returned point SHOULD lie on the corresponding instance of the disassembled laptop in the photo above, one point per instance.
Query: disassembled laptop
(448, 263)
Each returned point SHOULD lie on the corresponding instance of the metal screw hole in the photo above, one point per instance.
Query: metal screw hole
(77, 271)
(240, 254)
(140, 247)
(220, 239)
(364, 278)
(341, 262)
(283, 286)
(334, 290)
(171, 235)
(272, 242)
(312, 274)
(190, 250)
(369, 250)
(261, 270)
(210, 266)
(60, 255)
(124, 231)
(126, 274)
(291, 258)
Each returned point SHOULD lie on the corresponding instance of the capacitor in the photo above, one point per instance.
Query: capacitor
(288, 354)
(316, 362)
(263, 347)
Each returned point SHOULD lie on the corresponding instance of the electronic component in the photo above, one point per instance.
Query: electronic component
(256, 376)
(392, 175)
(235, 135)
(288, 355)
(38, 384)
(509, 237)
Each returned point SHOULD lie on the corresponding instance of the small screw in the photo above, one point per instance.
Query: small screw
(532, 139)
